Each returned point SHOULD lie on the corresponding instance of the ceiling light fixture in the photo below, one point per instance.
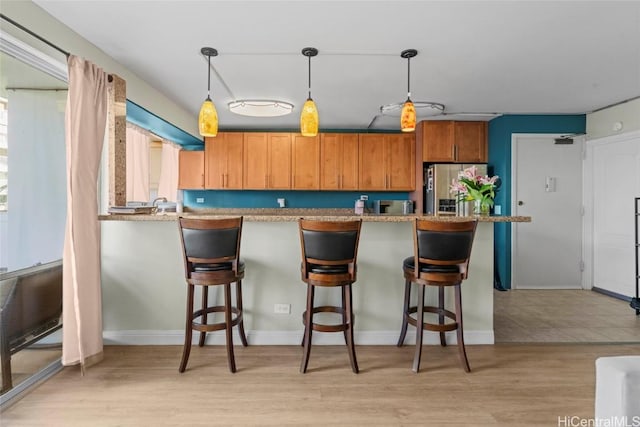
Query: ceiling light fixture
(309, 115)
(260, 108)
(424, 108)
(408, 114)
(208, 117)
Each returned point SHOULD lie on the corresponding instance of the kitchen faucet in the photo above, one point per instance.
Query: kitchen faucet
(158, 199)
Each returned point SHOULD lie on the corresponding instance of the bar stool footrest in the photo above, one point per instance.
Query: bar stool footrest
(434, 327)
(341, 327)
(210, 327)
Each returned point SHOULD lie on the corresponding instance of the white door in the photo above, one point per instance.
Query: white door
(613, 166)
(547, 186)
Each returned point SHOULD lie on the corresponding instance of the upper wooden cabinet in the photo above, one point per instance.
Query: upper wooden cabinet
(339, 161)
(453, 141)
(387, 162)
(267, 161)
(223, 161)
(305, 162)
(191, 170)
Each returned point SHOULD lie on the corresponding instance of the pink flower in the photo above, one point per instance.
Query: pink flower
(469, 173)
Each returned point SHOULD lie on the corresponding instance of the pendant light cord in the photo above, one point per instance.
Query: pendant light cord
(408, 78)
(209, 78)
(309, 76)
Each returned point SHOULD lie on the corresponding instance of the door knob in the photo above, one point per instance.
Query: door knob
(520, 203)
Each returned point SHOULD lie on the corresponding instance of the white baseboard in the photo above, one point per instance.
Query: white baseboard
(152, 337)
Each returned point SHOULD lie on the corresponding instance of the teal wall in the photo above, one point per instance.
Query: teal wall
(147, 120)
(500, 131)
(294, 199)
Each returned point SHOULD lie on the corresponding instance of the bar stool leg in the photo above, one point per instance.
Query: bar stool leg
(419, 328)
(307, 329)
(349, 314)
(459, 330)
(405, 312)
(344, 313)
(187, 330)
(443, 341)
(243, 337)
(229, 328)
(205, 301)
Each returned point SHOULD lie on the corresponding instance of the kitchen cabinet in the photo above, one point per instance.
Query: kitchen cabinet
(266, 161)
(339, 161)
(223, 161)
(387, 162)
(190, 170)
(305, 162)
(453, 141)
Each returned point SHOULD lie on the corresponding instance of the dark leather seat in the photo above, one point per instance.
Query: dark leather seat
(211, 250)
(442, 251)
(329, 252)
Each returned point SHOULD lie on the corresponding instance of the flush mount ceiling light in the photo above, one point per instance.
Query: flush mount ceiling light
(260, 108)
(423, 108)
(309, 115)
(408, 110)
(208, 117)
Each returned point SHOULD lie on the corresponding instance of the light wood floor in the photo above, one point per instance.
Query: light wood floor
(563, 316)
(510, 385)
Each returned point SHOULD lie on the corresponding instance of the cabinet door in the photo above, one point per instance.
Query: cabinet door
(233, 149)
(214, 162)
(191, 170)
(437, 141)
(254, 173)
(279, 170)
(330, 160)
(371, 161)
(471, 142)
(349, 162)
(339, 161)
(401, 162)
(305, 158)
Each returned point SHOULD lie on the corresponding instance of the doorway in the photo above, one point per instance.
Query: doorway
(547, 185)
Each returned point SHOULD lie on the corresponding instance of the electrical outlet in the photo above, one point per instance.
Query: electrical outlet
(200, 200)
(282, 308)
(281, 202)
(364, 197)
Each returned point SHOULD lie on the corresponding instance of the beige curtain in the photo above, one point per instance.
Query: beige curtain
(85, 120)
(168, 185)
(137, 164)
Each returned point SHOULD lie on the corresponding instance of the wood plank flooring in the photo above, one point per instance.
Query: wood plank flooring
(563, 316)
(510, 385)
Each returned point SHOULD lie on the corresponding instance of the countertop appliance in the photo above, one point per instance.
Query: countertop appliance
(393, 207)
(438, 200)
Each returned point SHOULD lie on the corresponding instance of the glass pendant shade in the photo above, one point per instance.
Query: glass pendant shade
(408, 117)
(208, 119)
(309, 119)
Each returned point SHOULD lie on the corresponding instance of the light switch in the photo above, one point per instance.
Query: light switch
(550, 184)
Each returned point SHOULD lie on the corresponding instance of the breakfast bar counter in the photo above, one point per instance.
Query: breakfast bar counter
(144, 291)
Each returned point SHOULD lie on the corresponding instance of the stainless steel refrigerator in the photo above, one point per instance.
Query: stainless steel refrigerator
(438, 199)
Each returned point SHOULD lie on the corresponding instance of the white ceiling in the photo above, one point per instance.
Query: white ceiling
(509, 57)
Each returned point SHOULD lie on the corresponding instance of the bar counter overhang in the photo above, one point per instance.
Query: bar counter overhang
(144, 293)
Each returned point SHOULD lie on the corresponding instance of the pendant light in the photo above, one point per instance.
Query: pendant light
(309, 115)
(408, 114)
(208, 118)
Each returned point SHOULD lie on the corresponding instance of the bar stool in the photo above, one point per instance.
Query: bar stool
(211, 249)
(329, 252)
(441, 252)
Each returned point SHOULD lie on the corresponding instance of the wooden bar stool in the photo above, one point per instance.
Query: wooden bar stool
(329, 252)
(441, 252)
(211, 249)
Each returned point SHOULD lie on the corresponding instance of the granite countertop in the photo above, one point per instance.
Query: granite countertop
(291, 215)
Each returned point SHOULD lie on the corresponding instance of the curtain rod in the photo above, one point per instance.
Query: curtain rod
(28, 31)
(42, 39)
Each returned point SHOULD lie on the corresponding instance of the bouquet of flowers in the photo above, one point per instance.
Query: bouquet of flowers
(481, 189)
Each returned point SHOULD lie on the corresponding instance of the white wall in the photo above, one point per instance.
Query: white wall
(602, 123)
(36, 19)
